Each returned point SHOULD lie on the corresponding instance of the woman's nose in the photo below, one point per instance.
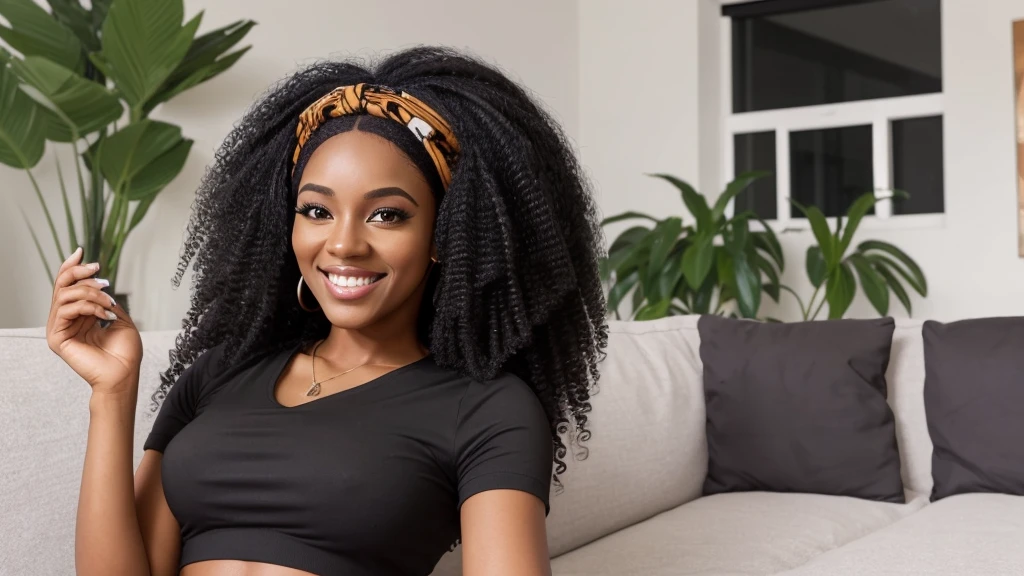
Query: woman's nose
(347, 240)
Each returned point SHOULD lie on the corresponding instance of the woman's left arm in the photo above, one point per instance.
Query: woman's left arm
(504, 534)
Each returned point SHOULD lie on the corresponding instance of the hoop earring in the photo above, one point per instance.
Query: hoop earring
(299, 294)
(435, 260)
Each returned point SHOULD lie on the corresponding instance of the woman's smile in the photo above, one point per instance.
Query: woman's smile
(351, 286)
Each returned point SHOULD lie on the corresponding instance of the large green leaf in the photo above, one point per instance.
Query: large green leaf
(738, 185)
(626, 216)
(694, 201)
(769, 242)
(664, 238)
(156, 175)
(916, 274)
(840, 290)
(34, 32)
(143, 43)
(620, 289)
(854, 215)
(872, 282)
(84, 104)
(203, 60)
(21, 123)
(128, 152)
(653, 311)
(772, 288)
(72, 14)
(819, 225)
(748, 285)
(816, 268)
(895, 285)
(198, 77)
(697, 261)
(629, 238)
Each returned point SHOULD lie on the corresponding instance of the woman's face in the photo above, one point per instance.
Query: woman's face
(364, 236)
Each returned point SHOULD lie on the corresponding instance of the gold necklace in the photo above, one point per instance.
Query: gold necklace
(314, 389)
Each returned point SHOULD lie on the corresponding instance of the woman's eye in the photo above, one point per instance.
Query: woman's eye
(313, 212)
(389, 216)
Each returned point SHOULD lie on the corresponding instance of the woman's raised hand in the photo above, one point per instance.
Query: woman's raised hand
(107, 358)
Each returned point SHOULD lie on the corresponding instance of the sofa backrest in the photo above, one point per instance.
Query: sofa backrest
(647, 452)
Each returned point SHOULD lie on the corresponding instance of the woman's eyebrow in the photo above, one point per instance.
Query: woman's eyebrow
(372, 194)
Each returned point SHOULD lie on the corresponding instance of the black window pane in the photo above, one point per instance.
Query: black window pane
(917, 165)
(756, 151)
(839, 54)
(830, 168)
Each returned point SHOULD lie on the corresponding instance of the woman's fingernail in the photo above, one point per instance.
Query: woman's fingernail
(112, 301)
(73, 254)
(103, 281)
(111, 315)
(94, 265)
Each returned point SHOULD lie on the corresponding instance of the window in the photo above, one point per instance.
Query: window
(836, 98)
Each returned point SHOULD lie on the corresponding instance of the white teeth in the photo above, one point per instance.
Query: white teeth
(351, 281)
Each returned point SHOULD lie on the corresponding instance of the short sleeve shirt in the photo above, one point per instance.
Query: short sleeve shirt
(369, 480)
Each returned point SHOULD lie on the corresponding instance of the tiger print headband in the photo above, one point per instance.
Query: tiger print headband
(427, 125)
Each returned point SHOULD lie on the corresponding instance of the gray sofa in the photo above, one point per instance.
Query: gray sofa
(633, 506)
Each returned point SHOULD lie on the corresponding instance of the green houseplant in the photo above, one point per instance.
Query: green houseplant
(697, 268)
(833, 271)
(89, 78)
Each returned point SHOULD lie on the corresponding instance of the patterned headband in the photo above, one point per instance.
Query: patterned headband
(427, 125)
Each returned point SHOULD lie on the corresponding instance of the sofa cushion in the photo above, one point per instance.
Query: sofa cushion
(974, 399)
(43, 437)
(966, 535)
(800, 407)
(647, 452)
(741, 533)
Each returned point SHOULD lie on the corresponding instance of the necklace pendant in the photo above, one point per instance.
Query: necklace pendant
(314, 390)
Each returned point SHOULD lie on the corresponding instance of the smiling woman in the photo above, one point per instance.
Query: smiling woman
(396, 317)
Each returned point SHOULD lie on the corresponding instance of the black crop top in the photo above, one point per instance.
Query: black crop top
(363, 482)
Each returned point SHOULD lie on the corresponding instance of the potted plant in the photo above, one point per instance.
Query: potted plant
(89, 78)
(880, 266)
(712, 265)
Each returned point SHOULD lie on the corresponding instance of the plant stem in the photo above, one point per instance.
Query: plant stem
(86, 213)
(800, 302)
(46, 211)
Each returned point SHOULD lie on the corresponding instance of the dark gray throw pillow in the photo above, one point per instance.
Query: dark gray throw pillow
(974, 403)
(800, 407)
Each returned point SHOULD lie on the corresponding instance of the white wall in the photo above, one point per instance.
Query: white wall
(535, 41)
(663, 47)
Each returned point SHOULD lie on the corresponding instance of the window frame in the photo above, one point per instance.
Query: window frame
(879, 113)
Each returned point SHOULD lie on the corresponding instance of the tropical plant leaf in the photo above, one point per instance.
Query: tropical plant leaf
(100, 8)
(739, 184)
(143, 43)
(157, 174)
(207, 48)
(769, 242)
(840, 290)
(916, 277)
(34, 32)
(664, 238)
(895, 285)
(695, 202)
(697, 261)
(198, 77)
(620, 289)
(85, 105)
(653, 311)
(76, 18)
(129, 151)
(873, 283)
(772, 287)
(748, 286)
(21, 123)
(819, 225)
(816, 267)
(626, 216)
(854, 215)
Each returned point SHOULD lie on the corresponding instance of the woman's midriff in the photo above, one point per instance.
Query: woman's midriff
(239, 568)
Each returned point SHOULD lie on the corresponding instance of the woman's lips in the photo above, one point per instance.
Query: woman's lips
(350, 292)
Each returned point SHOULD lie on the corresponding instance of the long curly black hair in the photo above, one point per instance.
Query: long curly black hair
(517, 234)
